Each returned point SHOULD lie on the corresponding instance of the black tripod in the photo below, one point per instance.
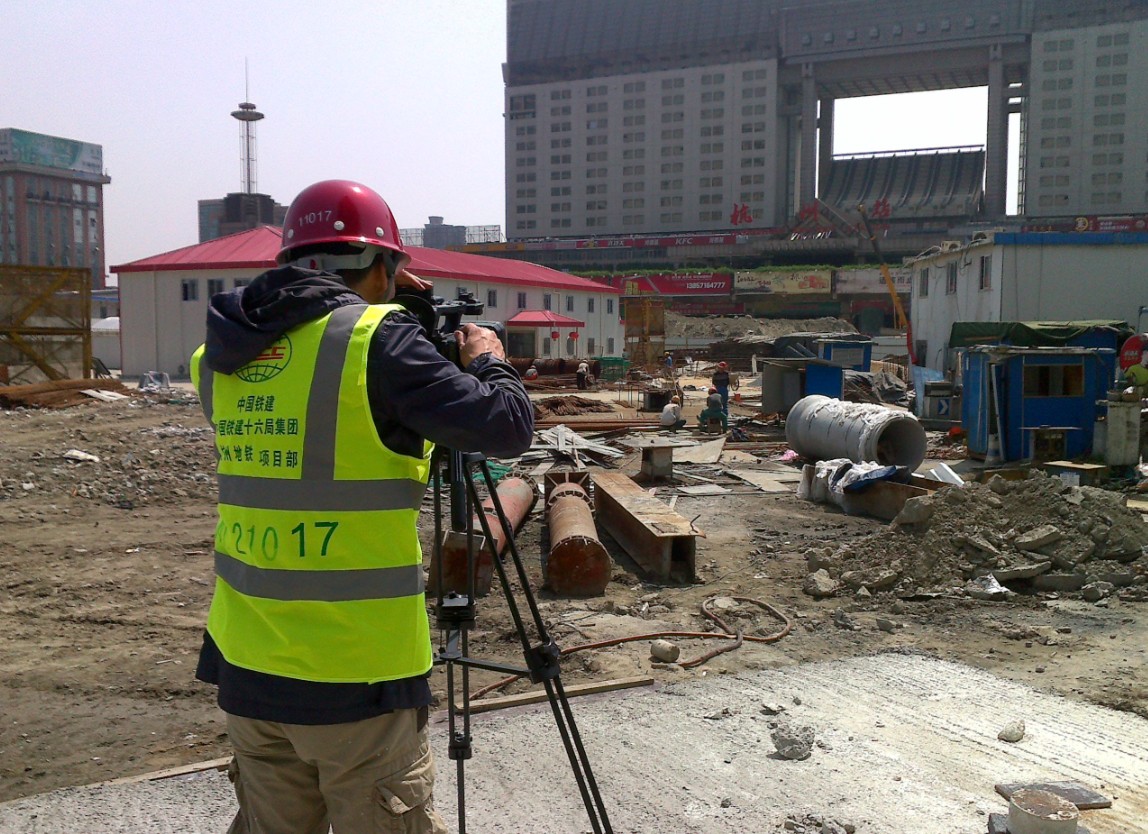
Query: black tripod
(456, 615)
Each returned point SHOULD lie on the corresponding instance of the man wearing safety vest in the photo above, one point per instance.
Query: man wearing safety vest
(326, 400)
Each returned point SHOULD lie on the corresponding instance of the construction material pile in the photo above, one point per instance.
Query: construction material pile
(679, 326)
(63, 393)
(569, 406)
(1034, 535)
(123, 462)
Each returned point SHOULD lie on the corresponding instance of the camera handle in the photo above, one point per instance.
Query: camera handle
(456, 614)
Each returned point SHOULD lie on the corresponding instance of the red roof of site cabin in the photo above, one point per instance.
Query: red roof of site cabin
(542, 318)
(256, 249)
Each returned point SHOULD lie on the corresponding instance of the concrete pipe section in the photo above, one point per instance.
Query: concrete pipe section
(824, 428)
(578, 565)
(517, 497)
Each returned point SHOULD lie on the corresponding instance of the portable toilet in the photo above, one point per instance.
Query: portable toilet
(1040, 402)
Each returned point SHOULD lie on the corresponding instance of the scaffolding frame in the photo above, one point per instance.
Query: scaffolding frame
(45, 315)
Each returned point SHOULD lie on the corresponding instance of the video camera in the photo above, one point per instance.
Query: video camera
(441, 318)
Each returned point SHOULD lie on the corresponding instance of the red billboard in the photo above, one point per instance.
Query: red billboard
(1091, 223)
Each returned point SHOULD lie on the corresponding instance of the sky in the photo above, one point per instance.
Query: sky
(403, 95)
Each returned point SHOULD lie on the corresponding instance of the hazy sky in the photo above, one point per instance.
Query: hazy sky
(404, 95)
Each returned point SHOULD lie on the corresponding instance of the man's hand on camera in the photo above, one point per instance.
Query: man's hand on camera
(406, 278)
(474, 341)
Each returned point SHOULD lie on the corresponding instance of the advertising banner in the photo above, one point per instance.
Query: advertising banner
(677, 284)
(24, 148)
(870, 281)
(812, 282)
(1091, 223)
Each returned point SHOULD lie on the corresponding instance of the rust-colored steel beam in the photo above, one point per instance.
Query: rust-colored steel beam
(578, 564)
(517, 497)
(662, 542)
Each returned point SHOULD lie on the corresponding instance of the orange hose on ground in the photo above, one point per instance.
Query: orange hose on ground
(726, 634)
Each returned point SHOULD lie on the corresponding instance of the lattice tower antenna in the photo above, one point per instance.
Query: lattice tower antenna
(248, 115)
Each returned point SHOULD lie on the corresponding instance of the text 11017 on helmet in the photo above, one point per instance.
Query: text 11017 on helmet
(340, 212)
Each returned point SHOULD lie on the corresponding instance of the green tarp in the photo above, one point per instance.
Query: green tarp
(1032, 333)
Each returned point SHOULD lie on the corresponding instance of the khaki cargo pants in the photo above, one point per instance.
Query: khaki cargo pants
(365, 776)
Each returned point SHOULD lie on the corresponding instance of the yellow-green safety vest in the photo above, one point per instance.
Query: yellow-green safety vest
(317, 558)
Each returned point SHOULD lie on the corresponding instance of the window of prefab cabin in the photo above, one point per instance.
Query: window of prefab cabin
(1054, 380)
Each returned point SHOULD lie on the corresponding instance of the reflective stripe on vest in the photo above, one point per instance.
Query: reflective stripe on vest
(318, 565)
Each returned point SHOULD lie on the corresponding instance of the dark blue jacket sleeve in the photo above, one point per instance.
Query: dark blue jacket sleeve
(416, 393)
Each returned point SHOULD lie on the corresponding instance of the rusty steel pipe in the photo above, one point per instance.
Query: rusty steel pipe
(517, 497)
(578, 564)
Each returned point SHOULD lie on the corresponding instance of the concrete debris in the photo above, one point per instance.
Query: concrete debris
(1041, 812)
(771, 708)
(820, 585)
(80, 457)
(1024, 544)
(1096, 591)
(816, 824)
(794, 742)
(127, 467)
(987, 588)
(1042, 536)
(887, 625)
(1012, 732)
(841, 619)
(665, 651)
(916, 511)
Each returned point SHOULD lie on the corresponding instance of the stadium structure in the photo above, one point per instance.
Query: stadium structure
(652, 134)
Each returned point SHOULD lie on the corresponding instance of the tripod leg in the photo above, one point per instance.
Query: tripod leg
(548, 653)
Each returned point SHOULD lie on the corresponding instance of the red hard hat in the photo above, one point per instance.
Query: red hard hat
(723, 365)
(712, 390)
(340, 211)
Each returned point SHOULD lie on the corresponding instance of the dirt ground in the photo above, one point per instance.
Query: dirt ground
(106, 576)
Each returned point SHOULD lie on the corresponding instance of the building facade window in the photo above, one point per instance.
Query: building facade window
(492, 299)
(214, 286)
(189, 289)
(951, 279)
(923, 283)
(522, 301)
(590, 305)
(610, 311)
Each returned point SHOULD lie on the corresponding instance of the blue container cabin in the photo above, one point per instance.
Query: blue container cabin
(1033, 389)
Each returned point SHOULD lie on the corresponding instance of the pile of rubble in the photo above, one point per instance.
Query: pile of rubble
(1034, 535)
(124, 468)
(569, 406)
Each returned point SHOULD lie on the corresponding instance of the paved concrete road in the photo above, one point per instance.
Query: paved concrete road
(904, 744)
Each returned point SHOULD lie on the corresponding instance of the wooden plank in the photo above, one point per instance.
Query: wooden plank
(773, 483)
(703, 453)
(183, 770)
(704, 489)
(538, 696)
(659, 540)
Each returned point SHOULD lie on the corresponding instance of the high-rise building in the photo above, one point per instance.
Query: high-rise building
(237, 212)
(52, 210)
(697, 116)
